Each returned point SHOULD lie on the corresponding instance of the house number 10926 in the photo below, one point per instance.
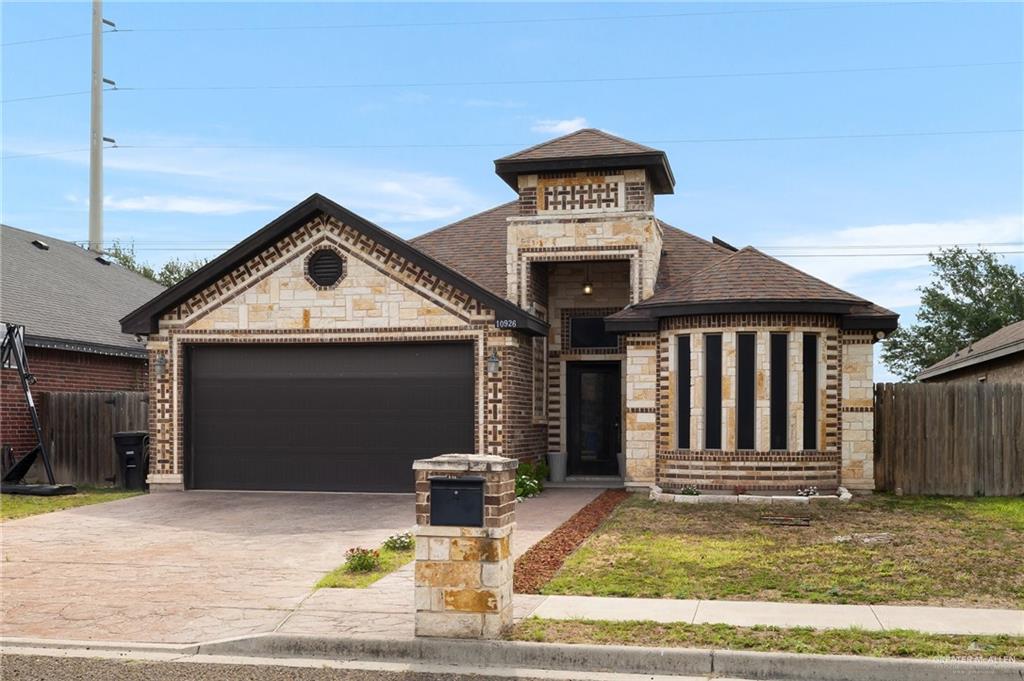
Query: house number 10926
(505, 323)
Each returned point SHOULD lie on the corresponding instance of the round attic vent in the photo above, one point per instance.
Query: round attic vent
(325, 267)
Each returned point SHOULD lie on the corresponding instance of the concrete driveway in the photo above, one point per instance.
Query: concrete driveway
(195, 566)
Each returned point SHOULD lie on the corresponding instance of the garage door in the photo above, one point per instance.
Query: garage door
(325, 417)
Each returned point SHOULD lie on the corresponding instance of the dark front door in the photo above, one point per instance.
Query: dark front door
(325, 417)
(594, 410)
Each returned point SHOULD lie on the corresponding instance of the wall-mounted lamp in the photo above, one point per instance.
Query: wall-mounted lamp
(588, 287)
(160, 365)
(493, 363)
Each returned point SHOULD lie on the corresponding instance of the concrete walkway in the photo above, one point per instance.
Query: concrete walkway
(931, 620)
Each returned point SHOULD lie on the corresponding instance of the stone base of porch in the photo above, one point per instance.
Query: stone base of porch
(730, 471)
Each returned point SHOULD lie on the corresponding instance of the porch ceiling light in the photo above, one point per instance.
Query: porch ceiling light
(588, 287)
(493, 363)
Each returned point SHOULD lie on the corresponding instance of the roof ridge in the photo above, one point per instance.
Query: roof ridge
(694, 236)
(608, 135)
(595, 131)
(461, 221)
(799, 271)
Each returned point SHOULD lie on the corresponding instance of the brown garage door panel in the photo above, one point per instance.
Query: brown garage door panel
(325, 417)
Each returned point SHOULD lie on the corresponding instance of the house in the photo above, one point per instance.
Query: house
(69, 300)
(324, 353)
(996, 358)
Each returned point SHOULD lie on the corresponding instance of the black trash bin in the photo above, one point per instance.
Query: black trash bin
(133, 458)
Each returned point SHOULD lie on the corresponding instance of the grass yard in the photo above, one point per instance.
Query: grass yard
(883, 549)
(797, 640)
(13, 506)
(340, 578)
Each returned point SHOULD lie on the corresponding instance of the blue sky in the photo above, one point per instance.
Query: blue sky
(174, 192)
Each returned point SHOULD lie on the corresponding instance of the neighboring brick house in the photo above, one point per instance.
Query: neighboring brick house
(996, 358)
(325, 353)
(69, 303)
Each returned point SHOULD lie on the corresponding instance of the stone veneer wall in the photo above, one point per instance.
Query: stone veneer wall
(858, 411)
(587, 225)
(641, 397)
(382, 298)
(844, 399)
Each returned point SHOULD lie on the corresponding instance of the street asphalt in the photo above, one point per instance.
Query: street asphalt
(31, 668)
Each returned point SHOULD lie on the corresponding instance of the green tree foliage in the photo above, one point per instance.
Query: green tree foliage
(173, 271)
(971, 295)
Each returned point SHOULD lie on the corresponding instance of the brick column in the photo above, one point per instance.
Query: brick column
(464, 574)
(858, 416)
(641, 408)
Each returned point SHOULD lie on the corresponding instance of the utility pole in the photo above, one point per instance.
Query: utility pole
(96, 133)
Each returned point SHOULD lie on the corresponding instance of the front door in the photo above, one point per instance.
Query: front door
(594, 410)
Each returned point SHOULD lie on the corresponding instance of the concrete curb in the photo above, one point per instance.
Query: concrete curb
(623, 659)
(574, 658)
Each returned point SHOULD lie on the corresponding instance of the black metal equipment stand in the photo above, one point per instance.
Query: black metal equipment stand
(12, 350)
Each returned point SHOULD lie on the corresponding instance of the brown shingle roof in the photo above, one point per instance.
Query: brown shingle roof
(1007, 340)
(749, 274)
(476, 247)
(587, 150)
(579, 144)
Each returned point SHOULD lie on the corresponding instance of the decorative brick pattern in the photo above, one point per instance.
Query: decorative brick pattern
(582, 194)
(313, 252)
(753, 471)
(838, 380)
(382, 299)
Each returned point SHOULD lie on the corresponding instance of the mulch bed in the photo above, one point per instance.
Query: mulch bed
(536, 567)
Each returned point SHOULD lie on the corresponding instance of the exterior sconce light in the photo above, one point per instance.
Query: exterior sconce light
(493, 364)
(160, 365)
(588, 287)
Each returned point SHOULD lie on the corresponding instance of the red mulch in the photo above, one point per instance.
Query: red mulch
(536, 567)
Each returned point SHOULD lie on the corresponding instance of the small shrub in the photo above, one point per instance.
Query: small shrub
(739, 489)
(811, 491)
(527, 486)
(690, 490)
(362, 560)
(400, 542)
(530, 479)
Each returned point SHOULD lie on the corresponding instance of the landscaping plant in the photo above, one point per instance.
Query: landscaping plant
(362, 560)
(400, 542)
(530, 479)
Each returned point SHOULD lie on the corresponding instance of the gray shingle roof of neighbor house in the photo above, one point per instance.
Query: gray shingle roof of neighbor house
(587, 149)
(145, 319)
(65, 298)
(1006, 341)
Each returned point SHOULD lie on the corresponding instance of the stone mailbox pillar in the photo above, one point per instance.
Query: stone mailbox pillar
(464, 571)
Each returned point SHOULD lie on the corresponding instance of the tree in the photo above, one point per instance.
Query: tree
(173, 271)
(971, 295)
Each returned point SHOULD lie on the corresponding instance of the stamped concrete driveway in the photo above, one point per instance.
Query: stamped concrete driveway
(181, 567)
(197, 566)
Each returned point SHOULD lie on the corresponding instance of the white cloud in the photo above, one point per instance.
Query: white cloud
(560, 127)
(891, 279)
(262, 178)
(196, 205)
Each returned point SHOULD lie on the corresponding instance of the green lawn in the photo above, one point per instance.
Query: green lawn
(14, 506)
(340, 578)
(940, 551)
(797, 640)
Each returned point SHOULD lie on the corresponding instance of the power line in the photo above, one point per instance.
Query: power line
(548, 81)
(481, 22)
(692, 140)
(503, 22)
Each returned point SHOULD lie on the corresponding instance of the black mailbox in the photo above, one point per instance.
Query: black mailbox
(457, 501)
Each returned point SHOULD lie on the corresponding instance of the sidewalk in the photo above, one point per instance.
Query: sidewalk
(933, 620)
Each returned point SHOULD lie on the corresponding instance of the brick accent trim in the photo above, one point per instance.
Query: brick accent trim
(761, 471)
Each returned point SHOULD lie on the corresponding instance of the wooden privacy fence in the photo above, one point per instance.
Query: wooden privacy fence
(79, 430)
(961, 439)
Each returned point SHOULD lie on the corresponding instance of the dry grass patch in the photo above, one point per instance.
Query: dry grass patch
(796, 640)
(939, 551)
(14, 506)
